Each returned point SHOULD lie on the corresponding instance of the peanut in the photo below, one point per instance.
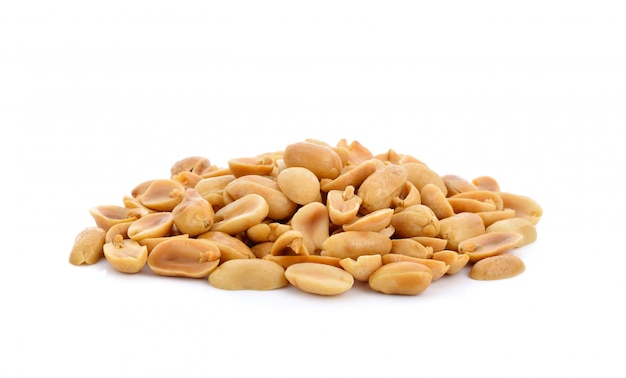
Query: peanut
(314, 216)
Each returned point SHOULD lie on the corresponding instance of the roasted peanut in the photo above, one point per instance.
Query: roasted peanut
(522, 226)
(381, 187)
(363, 267)
(250, 274)
(193, 215)
(416, 220)
(459, 227)
(322, 160)
(87, 248)
(184, 257)
(299, 185)
(497, 267)
(524, 206)
(153, 225)
(319, 279)
(402, 278)
(353, 244)
(489, 244)
(315, 216)
(125, 255)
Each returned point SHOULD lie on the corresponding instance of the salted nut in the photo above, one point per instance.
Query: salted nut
(343, 205)
(497, 267)
(184, 257)
(319, 279)
(314, 216)
(489, 244)
(251, 274)
(125, 255)
(401, 278)
(87, 247)
(381, 187)
(162, 195)
(194, 215)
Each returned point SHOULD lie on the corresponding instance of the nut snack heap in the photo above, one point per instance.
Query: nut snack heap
(315, 216)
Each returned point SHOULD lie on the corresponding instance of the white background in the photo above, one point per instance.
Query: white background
(96, 97)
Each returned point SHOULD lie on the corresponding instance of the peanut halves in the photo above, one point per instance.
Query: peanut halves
(316, 217)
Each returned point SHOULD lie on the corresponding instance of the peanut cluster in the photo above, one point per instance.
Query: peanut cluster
(315, 216)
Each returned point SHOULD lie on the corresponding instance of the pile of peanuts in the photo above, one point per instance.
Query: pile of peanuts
(315, 216)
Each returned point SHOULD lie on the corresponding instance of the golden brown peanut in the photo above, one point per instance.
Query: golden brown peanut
(343, 206)
(352, 177)
(486, 183)
(497, 267)
(419, 174)
(150, 243)
(194, 215)
(433, 197)
(195, 164)
(117, 229)
(409, 196)
(153, 225)
(381, 187)
(363, 267)
(489, 244)
(230, 247)
(289, 243)
(524, 206)
(125, 255)
(457, 184)
(353, 244)
(287, 261)
(261, 165)
(320, 279)
(249, 274)
(437, 268)
(188, 179)
(261, 250)
(357, 152)
(489, 217)
(311, 220)
(410, 247)
(212, 189)
(401, 278)
(375, 221)
(437, 244)
(279, 206)
(162, 195)
(184, 257)
(459, 227)
(87, 248)
(416, 220)
(106, 216)
(241, 214)
(522, 226)
(455, 260)
(299, 185)
(322, 160)
(490, 201)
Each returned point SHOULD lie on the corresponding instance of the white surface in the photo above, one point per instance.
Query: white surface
(96, 98)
